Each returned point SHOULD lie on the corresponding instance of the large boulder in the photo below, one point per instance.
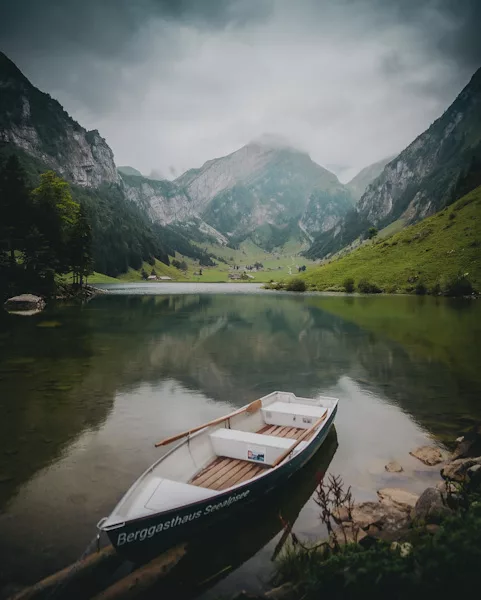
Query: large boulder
(383, 516)
(456, 470)
(398, 498)
(430, 507)
(348, 533)
(430, 455)
(473, 475)
(469, 445)
(24, 302)
(341, 514)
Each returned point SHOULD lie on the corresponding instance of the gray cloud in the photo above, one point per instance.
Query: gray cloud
(171, 84)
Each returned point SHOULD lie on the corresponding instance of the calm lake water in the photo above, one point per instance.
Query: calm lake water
(85, 391)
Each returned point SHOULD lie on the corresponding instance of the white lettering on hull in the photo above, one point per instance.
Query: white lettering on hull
(148, 532)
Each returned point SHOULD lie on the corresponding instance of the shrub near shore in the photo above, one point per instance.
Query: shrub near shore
(426, 546)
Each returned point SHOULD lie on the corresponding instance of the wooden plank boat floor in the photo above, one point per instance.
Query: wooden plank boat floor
(287, 432)
(225, 472)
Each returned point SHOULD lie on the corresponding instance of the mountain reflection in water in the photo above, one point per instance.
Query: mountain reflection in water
(85, 391)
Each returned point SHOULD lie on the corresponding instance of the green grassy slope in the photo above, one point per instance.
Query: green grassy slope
(277, 265)
(431, 251)
(160, 269)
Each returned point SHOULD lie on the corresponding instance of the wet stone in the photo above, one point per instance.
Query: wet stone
(397, 497)
(341, 514)
(24, 302)
(381, 515)
(429, 455)
(431, 507)
(457, 469)
(393, 467)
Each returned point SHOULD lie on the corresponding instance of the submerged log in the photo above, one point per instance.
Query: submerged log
(146, 577)
(91, 575)
(79, 580)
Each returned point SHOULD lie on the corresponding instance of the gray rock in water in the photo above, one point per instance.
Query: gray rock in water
(474, 476)
(393, 467)
(430, 507)
(381, 515)
(24, 302)
(398, 497)
(341, 514)
(469, 445)
(447, 487)
(457, 469)
(429, 455)
(348, 533)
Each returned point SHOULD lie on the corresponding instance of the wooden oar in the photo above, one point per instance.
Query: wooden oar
(298, 441)
(252, 407)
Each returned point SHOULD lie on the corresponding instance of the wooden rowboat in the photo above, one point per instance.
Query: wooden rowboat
(218, 467)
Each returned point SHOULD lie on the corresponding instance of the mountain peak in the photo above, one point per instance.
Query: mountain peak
(273, 141)
(426, 176)
(33, 121)
(359, 183)
(9, 72)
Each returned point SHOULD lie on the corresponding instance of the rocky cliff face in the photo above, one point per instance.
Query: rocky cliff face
(366, 176)
(265, 185)
(429, 174)
(34, 122)
(324, 211)
(166, 203)
(423, 177)
(162, 200)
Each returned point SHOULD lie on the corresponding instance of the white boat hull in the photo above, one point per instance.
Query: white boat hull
(146, 536)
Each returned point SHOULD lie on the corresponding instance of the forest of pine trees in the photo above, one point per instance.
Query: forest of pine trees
(43, 232)
(48, 227)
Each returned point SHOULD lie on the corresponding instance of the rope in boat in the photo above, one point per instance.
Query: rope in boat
(94, 543)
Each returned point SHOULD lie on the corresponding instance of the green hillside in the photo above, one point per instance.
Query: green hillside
(431, 252)
(439, 166)
(277, 265)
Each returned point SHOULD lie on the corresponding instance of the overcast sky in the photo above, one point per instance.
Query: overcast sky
(173, 83)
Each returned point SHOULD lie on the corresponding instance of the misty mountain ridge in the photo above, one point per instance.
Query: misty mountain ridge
(38, 124)
(439, 166)
(126, 170)
(43, 136)
(265, 183)
(267, 190)
(359, 183)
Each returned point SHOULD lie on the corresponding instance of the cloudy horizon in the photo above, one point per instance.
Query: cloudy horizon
(173, 83)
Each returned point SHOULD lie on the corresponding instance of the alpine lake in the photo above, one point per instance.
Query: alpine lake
(86, 391)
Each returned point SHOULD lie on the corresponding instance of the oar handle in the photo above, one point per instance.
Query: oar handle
(252, 407)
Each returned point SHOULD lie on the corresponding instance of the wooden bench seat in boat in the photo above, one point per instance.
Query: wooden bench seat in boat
(245, 445)
(224, 472)
(291, 414)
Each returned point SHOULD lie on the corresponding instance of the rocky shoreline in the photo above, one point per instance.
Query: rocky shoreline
(399, 514)
(30, 304)
(74, 292)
